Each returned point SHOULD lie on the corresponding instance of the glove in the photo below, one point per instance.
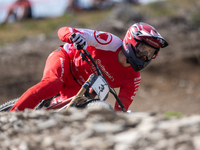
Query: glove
(79, 41)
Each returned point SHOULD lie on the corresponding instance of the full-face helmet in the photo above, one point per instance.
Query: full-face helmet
(141, 44)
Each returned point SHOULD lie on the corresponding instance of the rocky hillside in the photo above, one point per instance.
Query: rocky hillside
(97, 129)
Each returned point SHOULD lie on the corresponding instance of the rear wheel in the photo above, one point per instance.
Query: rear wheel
(7, 105)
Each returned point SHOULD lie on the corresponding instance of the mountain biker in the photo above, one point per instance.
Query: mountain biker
(120, 61)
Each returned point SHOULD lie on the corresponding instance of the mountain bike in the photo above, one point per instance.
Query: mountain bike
(96, 83)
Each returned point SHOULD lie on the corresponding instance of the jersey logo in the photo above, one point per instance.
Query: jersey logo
(103, 37)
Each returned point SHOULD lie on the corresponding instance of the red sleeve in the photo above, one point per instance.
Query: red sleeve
(55, 72)
(64, 33)
(127, 93)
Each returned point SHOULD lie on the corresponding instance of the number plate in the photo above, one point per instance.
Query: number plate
(100, 86)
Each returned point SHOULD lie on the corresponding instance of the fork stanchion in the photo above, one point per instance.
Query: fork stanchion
(81, 92)
(76, 98)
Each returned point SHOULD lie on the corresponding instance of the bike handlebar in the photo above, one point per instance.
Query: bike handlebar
(93, 62)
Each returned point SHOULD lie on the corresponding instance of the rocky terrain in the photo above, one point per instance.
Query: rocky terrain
(169, 83)
(97, 129)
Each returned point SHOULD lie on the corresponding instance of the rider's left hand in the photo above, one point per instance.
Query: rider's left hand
(78, 41)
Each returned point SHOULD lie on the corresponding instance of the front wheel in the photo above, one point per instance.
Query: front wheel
(98, 103)
(7, 105)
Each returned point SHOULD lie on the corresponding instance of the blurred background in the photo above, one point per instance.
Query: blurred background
(53, 8)
(170, 83)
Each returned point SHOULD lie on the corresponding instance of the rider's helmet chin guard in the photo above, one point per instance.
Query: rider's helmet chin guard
(142, 40)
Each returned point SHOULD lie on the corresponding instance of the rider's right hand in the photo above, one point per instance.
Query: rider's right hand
(79, 41)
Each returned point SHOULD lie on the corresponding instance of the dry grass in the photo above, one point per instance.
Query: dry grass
(13, 32)
(172, 7)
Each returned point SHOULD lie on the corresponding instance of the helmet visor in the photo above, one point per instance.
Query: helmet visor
(145, 50)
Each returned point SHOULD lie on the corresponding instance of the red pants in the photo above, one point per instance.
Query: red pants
(57, 78)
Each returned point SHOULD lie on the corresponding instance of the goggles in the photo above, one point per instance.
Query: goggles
(145, 50)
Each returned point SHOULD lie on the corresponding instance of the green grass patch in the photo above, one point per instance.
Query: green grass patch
(89, 18)
(16, 31)
(12, 32)
(173, 114)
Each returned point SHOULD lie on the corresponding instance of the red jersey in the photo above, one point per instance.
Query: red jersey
(65, 71)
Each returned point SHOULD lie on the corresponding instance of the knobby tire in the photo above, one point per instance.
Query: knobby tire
(98, 103)
(94, 103)
(7, 105)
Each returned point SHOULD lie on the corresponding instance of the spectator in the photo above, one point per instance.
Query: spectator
(73, 6)
(21, 9)
(101, 4)
(78, 5)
